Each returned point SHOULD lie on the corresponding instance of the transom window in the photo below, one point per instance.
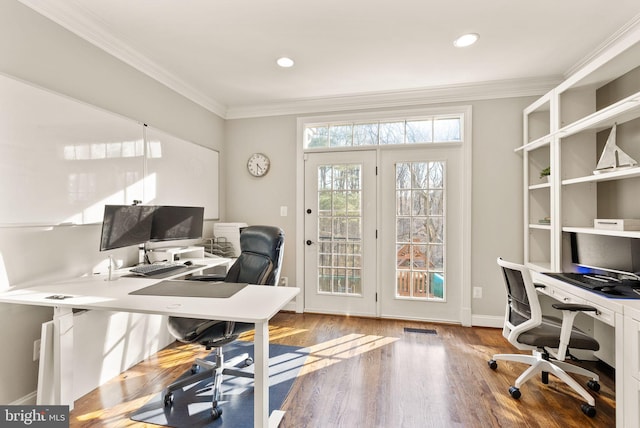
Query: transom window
(432, 129)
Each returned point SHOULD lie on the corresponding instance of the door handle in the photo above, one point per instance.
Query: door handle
(309, 242)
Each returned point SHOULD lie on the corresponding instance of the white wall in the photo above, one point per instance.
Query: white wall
(497, 190)
(36, 50)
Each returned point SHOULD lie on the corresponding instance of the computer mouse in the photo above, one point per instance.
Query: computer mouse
(188, 263)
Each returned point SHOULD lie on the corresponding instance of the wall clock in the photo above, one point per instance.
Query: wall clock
(258, 164)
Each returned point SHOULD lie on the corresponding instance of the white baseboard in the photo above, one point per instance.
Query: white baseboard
(27, 400)
(487, 321)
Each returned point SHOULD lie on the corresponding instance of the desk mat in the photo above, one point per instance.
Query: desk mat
(192, 405)
(220, 290)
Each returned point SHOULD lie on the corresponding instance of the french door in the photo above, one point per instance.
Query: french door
(340, 233)
(384, 233)
(421, 239)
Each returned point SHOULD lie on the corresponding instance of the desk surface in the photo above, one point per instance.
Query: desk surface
(252, 304)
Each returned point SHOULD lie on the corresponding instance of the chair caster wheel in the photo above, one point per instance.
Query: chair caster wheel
(168, 400)
(248, 361)
(216, 412)
(593, 385)
(588, 410)
(195, 369)
(515, 392)
(493, 364)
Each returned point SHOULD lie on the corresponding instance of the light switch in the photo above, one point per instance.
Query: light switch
(283, 211)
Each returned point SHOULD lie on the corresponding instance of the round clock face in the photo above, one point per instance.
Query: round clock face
(258, 164)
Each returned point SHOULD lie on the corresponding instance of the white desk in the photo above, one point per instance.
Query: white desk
(616, 313)
(253, 304)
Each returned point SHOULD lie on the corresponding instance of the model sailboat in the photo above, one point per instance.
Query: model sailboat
(613, 158)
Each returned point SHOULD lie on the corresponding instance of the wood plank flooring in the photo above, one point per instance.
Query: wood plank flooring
(372, 373)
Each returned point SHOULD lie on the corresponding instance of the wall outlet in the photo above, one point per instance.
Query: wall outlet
(36, 350)
(477, 292)
(284, 281)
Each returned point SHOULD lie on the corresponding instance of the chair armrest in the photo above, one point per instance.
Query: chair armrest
(569, 312)
(208, 278)
(574, 307)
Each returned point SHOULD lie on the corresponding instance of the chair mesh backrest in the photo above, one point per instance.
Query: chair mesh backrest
(262, 248)
(520, 310)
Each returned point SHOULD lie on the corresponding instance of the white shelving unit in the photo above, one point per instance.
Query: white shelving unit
(566, 129)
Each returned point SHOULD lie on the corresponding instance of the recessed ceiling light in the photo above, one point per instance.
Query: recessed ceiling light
(285, 62)
(466, 40)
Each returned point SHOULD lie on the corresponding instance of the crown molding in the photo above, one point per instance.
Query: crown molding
(87, 27)
(627, 31)
(442, 94)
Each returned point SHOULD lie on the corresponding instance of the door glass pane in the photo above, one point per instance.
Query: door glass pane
(340, 229)
(420, 226)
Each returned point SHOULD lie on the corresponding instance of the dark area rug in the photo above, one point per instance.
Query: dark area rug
(192, 405)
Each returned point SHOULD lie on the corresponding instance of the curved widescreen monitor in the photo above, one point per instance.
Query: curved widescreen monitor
(126, 225)
(176, 222)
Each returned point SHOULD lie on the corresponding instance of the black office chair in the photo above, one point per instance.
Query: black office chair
(262, 249)
(526, 328)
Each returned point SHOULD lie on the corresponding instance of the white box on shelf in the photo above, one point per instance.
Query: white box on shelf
(616, 224)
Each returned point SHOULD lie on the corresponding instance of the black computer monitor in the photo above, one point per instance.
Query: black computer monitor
(604, 252)
(175, 222)
(125, 225)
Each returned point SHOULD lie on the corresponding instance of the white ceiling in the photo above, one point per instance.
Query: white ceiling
(221, 53)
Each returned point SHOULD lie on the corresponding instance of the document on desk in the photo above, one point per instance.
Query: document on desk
(185, 288)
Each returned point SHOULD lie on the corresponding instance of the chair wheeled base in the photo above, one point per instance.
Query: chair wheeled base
(540, 363)
(203, 369)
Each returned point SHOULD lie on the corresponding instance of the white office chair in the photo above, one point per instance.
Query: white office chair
(549, 338)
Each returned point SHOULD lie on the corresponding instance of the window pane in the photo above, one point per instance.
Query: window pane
(447, 129)
(392, 133)
(316, 137)
(340, 135)
(403, 176)
(403, 202)
(325, 177)
(365, 134)
(436, 175)
(403, 231)
(419, 131)
(419, 202)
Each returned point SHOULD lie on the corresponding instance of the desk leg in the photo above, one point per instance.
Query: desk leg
(261, 372)
(63, 356)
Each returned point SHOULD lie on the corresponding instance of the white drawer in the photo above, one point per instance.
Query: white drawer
(563, 296)
(603, 314)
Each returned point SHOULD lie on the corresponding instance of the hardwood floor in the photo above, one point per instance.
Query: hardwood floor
(372, 373)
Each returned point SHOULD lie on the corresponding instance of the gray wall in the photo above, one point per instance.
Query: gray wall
(497, 189)
(36, 50)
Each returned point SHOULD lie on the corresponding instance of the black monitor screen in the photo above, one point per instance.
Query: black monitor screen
(603, 252)
(125, 225)
(171, 223)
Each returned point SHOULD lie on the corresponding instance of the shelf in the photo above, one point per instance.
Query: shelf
(592, 231)
(605, 176)
(623, 111)
(545, 140)
(541, 186)
(540, 226)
